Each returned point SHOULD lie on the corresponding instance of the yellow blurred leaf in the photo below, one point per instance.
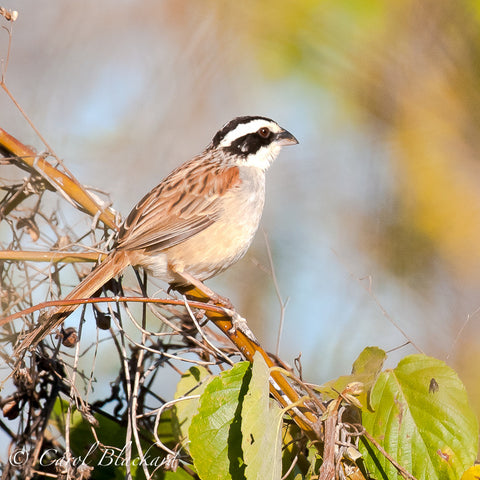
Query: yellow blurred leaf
(473, 473)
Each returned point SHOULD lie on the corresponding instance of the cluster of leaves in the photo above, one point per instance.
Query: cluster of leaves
(416, 422)
(417, 413)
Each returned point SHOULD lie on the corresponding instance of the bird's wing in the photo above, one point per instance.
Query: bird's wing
(182, 205)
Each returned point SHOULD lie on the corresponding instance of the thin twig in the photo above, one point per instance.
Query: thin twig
(10, 15)
(68, 452)
(397, 466)
(369, 290)
(158, 352)
(200, 331)
(128, 392)
(460, 331)
(134, 406)
(51, 257)
(82, 301)
(158, 412)
(283, 304)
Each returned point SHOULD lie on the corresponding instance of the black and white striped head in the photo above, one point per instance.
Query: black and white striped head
(252, 141)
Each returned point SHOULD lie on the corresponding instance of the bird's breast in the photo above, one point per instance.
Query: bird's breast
(228, 238)
(221, 244)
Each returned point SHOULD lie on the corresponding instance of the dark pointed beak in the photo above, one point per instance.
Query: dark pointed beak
(285, 138)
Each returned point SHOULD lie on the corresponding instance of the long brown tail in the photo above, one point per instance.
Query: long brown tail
(112, 266)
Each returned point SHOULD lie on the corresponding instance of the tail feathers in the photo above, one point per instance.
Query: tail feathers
(109, 268)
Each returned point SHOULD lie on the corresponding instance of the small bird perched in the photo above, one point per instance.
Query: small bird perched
(198, 221)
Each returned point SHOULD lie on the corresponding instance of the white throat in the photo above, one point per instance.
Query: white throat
(263, 158)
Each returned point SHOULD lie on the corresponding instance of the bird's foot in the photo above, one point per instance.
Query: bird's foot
(239, 324)
(221, 301)
(200, 290)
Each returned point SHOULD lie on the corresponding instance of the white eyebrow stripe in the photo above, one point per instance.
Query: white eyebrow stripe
(246, 128)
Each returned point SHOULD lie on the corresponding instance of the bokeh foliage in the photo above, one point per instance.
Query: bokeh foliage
(409, 70)
(407, 73)
(125, 84)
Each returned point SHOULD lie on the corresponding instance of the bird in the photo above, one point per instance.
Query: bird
(197, 222)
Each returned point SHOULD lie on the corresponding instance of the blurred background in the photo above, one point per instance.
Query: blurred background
(373, 220)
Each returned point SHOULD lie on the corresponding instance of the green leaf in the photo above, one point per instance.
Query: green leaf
(314, 460)
(215, 435)
(193, 382)
(369, 362)
(423, 420)
(365, 370)
(261, 426)
(178, 475)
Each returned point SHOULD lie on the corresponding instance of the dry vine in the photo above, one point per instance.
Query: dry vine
(142, 337)
(51, 227)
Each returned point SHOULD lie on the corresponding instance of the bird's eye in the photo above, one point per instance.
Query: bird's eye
(264, 132)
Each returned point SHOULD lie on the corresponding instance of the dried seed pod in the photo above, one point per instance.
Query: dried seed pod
(30, 226)
(11, 408)
(103, 320)
(69, 337)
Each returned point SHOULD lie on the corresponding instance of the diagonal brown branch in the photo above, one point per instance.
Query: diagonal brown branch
(284, 393)
(65, 184)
